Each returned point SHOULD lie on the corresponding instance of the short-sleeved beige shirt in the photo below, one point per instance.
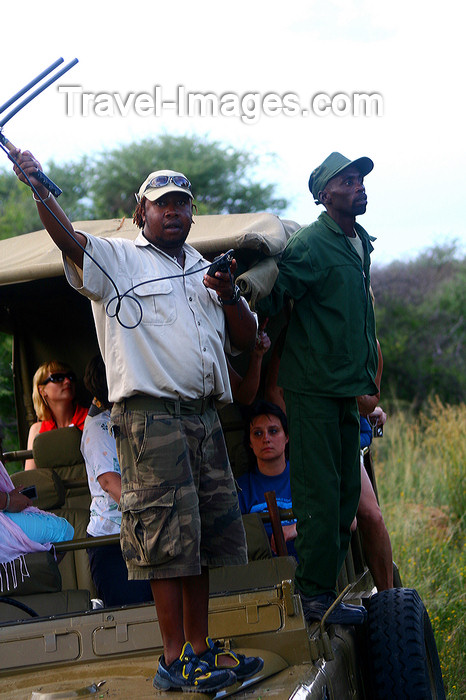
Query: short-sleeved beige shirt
(176, 349)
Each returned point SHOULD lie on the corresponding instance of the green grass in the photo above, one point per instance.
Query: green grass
(420, 466)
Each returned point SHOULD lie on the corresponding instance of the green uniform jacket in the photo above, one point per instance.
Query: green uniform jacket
(330, 347)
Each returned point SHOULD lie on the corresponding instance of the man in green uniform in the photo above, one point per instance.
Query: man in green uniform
(329, 358)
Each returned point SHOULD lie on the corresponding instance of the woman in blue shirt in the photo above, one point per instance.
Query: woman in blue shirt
(268, 439)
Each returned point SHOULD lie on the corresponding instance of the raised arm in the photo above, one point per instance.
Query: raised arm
(58, 233)
(245, 388)
(273, 392)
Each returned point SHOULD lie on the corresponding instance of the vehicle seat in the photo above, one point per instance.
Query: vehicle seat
(59, 450)
(34, 581)
(257, 539)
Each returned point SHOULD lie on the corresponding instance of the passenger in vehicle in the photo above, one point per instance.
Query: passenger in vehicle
(270, 469)
(329, 358)
(108, 568)
(166, 369)
(24, 529)
(54, 399)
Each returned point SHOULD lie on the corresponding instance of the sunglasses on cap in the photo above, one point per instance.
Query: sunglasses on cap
(59, 377)
(164, 180)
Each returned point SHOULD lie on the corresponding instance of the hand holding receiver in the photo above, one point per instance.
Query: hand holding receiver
(219, 277)
(222, 263)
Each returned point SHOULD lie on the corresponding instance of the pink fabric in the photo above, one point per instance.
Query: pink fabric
(13, 542)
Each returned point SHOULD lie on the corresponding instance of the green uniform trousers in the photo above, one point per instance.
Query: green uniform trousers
(325, 485)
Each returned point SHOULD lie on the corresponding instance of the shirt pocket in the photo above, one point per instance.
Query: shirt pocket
(150, 527)
(156, 301)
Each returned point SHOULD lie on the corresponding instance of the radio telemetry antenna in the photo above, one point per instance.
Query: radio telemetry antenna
(39, 175)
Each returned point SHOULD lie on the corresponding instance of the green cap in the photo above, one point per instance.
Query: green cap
(333, 165)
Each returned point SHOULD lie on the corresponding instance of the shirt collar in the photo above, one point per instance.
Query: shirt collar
(192, 255)
(330, 223)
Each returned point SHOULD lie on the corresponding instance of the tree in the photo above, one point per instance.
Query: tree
(73, 177)
(421, 324)
(218, 173)
(7, 404)
(18, 211)
(102, 186)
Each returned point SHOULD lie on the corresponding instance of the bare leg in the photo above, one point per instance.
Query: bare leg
(182, 609)
(196, 610)
(168, 598)
(196, 607)
(375, 537)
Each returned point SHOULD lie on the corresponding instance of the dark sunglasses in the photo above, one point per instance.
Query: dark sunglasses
(164, 180)
(59, 377)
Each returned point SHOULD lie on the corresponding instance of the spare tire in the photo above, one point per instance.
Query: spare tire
(403, 657)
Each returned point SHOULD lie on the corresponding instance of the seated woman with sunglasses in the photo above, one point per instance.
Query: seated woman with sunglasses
(53, 396)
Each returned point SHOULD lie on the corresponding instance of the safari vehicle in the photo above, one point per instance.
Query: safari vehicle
(55, 639)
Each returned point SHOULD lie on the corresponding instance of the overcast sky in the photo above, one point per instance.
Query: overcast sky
(411, 54)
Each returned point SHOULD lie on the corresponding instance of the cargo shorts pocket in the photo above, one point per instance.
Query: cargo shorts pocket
(150, 528)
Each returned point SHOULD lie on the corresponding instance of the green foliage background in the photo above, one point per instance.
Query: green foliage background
(102, 185)
(421, 475)
(7, 406)
(421, 324)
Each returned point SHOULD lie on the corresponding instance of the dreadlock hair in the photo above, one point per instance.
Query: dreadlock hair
(138, 214)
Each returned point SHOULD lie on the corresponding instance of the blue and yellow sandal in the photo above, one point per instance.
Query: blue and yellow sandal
(191, 675)
(244, 666)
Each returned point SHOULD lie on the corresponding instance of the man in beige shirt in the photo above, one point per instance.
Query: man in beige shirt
(163, 339)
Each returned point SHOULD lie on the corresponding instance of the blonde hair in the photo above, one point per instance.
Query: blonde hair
(43, 412)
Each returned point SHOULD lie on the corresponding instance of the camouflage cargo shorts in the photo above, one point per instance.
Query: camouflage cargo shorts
(178, 501)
